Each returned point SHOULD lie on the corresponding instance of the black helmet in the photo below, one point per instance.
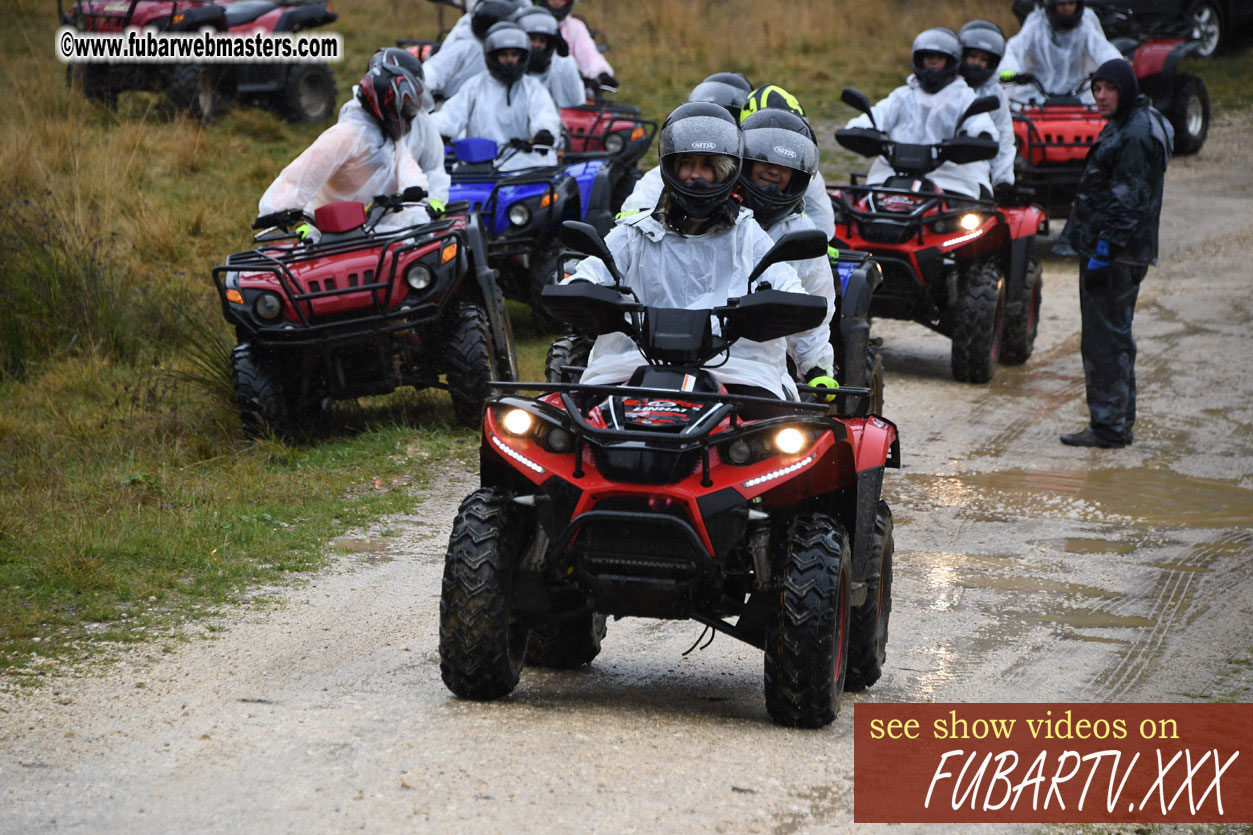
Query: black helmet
(488, 13)
(537, 20)
(771, 96)
(1060, 22)
(987, 36)
(504, 36)
(559, 12)
(781, 138)
(700, 128)
(725, 89)
(390, 95)
(939, 41)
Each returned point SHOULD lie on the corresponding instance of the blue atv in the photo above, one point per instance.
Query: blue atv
(522, 211)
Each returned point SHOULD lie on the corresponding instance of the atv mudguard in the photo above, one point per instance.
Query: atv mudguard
(485, 279)
(1023, 225)
(878, 449)
(854, 324)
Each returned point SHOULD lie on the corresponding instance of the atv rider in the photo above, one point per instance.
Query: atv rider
(926, 110)
(462, 59)
(695, 251)
(592, 65)
(983, 47)
(550, 60)
(363, 155)
(423, 139)
(780, 159)
(728, 90)
(505, 104)
(1060, 44)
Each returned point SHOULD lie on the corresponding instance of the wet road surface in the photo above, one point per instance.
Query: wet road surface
(1025, 571)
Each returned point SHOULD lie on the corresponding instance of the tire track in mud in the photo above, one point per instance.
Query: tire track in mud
(1175, 604)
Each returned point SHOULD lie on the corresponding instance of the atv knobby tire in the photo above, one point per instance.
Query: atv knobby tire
(469, 363)
(572, 350)
(977, 320)
(566, 643)
(481, 648)
(1188, 113)
(264, 405)
(806, 642)
(308, 93)
(1018, 340)
(868, 627)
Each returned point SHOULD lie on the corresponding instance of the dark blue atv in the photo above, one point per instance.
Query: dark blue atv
(522, 211)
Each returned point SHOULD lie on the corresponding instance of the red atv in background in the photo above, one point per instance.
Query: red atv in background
(669, 497)
(303, 92)
(1053, 137)
(354, 310)
(960, 266)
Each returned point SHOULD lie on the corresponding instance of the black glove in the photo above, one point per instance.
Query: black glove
(543, 138)
(520, 143)
(607, 80)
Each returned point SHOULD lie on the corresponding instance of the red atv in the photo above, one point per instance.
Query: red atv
(302, 92)
(354, 311)
(669, 497)
(960, 266)
(1053, 137)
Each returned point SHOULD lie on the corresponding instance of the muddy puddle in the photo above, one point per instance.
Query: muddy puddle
(1143, 495)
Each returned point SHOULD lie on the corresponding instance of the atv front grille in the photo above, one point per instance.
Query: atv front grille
(886, 233)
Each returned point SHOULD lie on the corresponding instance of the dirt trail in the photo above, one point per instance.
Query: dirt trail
(1026, 571)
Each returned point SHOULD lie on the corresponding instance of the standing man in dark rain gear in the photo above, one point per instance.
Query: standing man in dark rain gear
(1113, 225)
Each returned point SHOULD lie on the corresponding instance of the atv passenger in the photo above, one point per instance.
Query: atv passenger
(364, 154)
(728, 90)
(592, 65)
(1060, 44)
(694, 251)
(983, 46)
(780, 158)
(505, 104)
(463, 59)
(550, 59)
(926, 110)
(817, 202)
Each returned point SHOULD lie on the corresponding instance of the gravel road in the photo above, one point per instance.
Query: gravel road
(1025, 571)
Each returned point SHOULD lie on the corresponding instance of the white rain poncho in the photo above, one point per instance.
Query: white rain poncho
(1060, 60)
(351, 160)
(487, 108)
(427, 150)
(914, 116)
(583, 48)
(449, 69)
(817, 204)
(1003, 165)
(563, 82)
(666, 269)
(811, 349)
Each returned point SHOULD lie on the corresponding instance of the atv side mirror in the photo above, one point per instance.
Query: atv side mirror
(583, 237)
(857, 100)
(964, 149)
(794, 246)
(983, 104)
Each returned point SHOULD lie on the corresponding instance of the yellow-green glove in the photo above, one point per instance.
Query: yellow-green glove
(825, 382)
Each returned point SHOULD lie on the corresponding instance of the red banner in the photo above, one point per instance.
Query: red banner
(1062, 763)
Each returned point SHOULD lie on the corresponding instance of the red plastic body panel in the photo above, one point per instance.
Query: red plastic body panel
(340, 216)
(826, 465)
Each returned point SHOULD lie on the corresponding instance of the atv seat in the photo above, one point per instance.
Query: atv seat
(246, 11)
